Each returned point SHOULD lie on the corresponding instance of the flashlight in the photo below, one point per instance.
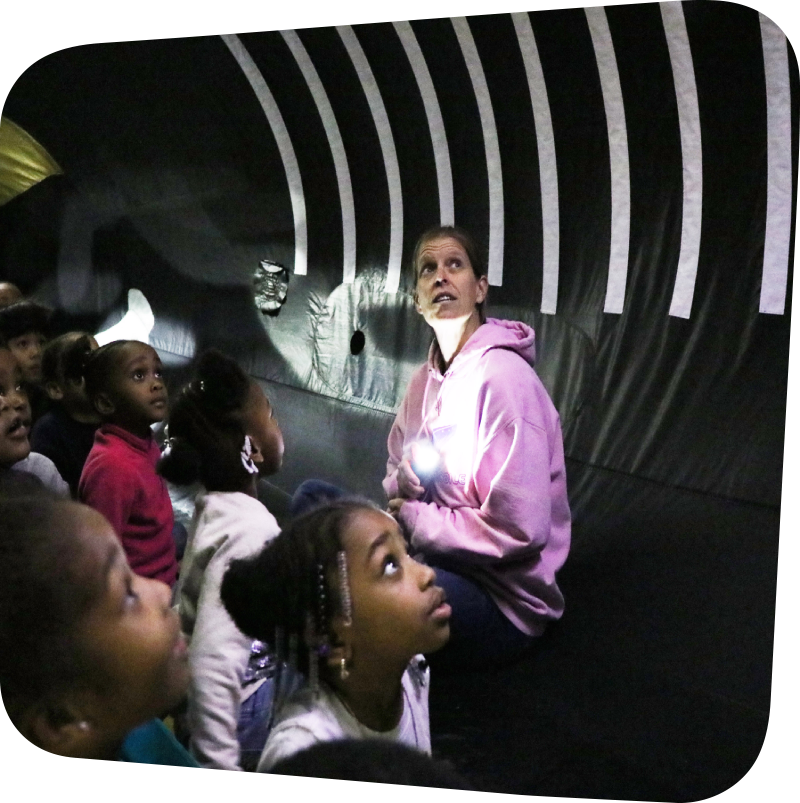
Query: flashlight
(425, 461)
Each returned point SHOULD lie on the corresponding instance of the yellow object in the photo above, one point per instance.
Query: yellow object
(23, 161)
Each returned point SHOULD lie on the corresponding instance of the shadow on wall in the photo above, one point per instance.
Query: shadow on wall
(396, 341)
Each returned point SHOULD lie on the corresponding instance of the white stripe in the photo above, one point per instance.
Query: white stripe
(337, 152)
(680, 55)
(441, 153)
(548, 174)
(493, 166)
(618, 156)
(279, 131)
(370, 87)
(779, 169)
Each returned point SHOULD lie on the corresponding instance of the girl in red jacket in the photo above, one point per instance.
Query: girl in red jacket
(125, 383)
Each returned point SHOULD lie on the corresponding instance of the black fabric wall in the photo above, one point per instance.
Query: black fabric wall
(174, 184)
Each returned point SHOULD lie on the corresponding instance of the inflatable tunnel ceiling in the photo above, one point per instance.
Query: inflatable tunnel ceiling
(629, 171)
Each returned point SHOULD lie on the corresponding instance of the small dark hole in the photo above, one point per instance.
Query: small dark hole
(357, 342)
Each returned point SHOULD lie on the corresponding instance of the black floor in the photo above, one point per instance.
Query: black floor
(655, 684)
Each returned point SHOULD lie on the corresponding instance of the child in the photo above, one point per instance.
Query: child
(222, 431)
(65, 434)
(357, 609)
(25, 325)
(15, 424)
(124, 382)
(89, 652)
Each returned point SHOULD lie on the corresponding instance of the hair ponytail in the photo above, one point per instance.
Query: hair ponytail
(206, 433)
(181, 463)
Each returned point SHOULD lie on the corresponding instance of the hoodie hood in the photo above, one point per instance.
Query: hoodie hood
(493, 334)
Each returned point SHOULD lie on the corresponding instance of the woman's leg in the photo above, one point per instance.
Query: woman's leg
(481, 636)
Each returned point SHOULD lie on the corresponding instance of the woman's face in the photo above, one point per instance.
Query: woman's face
(447, 288)
(130, 637)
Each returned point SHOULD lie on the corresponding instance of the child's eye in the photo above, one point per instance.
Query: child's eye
(390, 566)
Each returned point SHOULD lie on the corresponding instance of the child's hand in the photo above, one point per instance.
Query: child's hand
(394, 506)
(408, 483)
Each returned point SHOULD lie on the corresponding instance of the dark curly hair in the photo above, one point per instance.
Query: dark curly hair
(280, 587)
(22, 317)
(206, 433)
(65, 357)
(98, 366)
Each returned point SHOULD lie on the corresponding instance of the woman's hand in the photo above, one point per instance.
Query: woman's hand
(408, 484)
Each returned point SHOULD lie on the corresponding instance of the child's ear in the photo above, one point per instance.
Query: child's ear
(103, 404)
(60, 728)
(54, 390)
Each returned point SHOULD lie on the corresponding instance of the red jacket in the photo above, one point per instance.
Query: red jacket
(119, 480)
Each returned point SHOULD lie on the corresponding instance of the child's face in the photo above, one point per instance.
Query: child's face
(131, 636)
(258, 419)
(27, 348)
(15, 413)
(398, 611)
(137, 393)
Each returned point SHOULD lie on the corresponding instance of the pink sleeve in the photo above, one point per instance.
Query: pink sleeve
(395, 444)
(110, 491)
(513, 482)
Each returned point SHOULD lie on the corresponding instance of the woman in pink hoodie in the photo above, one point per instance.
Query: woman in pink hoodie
(476, 471)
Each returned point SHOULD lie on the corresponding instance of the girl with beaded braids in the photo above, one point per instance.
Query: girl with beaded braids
(222, 431)
(338, 591)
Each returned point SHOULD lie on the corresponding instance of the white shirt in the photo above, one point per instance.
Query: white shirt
(45, 469)
(225, 526)
(304, 720)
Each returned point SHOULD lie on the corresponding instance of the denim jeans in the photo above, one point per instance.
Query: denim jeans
(481, 636)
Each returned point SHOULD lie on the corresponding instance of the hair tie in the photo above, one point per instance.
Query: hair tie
(169, 443)
(247, 460)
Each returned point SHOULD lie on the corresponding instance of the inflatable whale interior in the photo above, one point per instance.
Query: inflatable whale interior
(631, 175)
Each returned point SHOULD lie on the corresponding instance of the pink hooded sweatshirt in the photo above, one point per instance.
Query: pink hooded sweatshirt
(498, 512)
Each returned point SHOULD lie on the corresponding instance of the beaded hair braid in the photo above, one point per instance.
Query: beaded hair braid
(290, 593)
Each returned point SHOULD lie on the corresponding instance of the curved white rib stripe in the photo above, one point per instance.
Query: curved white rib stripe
(370, 87)
(493, 164)
(618, 157)
(285, 148)
(680, 55)
(337, 152)
(441, 152)
(548, 174)
(779, 169)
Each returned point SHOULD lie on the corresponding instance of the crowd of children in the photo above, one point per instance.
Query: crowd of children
(261, 642)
